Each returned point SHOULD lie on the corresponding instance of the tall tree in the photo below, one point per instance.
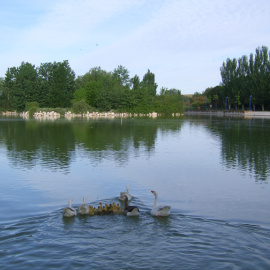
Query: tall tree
(244, 78)
(57, 84)
(121, 75)
(22, 84)
(149, 83)
(260, 76)
(135, 82)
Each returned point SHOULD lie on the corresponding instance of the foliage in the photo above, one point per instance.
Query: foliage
(58, 81)
(81, 107)
(32, 110)
(21, 85)
(28, 105)
(149, 83)
(244, 78)
(1, 85)
(51, 85)
(170, 101)
(116, 90)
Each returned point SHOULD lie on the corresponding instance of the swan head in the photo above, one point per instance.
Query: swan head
(154, 192)
(127, 189)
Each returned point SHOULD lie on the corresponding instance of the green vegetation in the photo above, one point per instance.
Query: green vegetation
(81, 107)
(53, 85)
(245, 82)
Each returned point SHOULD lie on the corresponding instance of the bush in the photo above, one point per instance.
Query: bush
(81, 107)
(32, 110)
(28, 105)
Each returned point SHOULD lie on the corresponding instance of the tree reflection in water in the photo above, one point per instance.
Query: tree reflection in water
(245, 143)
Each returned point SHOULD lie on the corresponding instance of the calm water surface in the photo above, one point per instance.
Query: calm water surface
(214, 172)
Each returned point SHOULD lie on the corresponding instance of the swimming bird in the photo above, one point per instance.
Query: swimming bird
(123, 194)
(83, 209)
(116, 209)
(159, 210)
(69, 211)
(130, 210)
(99, 210)
(92, 211)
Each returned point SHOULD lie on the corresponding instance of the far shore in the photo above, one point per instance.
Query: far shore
(70, 115)
(244, 113)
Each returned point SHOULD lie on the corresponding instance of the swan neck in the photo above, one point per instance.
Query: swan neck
(155, 200)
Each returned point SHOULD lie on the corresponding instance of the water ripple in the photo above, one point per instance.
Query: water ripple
(119, 242)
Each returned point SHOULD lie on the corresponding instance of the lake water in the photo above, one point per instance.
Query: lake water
(214, 173)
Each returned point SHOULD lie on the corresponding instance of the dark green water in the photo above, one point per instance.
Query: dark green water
(214, 172)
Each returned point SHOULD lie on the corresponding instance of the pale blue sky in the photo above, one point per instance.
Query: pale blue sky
(183, 42)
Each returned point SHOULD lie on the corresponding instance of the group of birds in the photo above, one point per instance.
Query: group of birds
(128, 210)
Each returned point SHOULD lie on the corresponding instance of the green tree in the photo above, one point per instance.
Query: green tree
(62, 86)
(45, 72)
(4, 104)
(135, 82)
(22, 85)
(149, 83)
(80, 94)
(92, 89)
(260, 76)
(143, 100)
(242, 78)
(121, 76)
(169, 101)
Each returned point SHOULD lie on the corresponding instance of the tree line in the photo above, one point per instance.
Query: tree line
(50, 85)
(54, 85)
(245, 82)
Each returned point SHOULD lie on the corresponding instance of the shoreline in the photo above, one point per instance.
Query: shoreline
(245, 114)
(70, 115)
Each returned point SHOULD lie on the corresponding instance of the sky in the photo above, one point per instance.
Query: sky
(183, 42)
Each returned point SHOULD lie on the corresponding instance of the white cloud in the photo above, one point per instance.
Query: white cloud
(183, 42)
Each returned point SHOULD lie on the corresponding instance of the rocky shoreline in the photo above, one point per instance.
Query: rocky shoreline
(70, 115)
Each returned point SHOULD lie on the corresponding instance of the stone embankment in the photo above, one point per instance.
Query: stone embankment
(42, 115)
(217, 113)
(246, 114)
(113, 114)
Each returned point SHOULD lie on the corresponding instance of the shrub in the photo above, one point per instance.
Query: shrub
(81, 107)
(32, 110)
(28, 105)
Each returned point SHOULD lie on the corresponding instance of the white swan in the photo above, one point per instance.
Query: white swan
(130, 210)
(159, 210)
(123, 194)
(69, 211)
(83, 209)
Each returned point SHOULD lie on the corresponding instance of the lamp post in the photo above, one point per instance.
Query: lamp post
(226, 100)
(250, 102)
